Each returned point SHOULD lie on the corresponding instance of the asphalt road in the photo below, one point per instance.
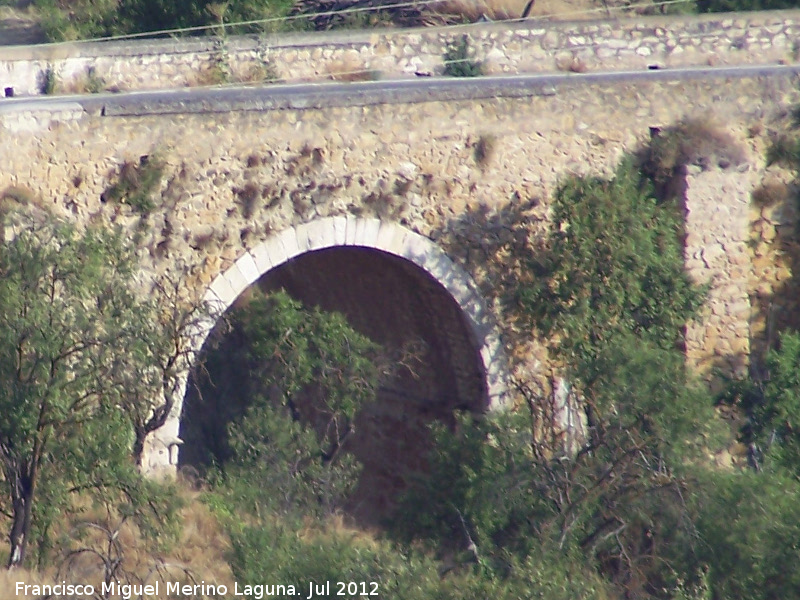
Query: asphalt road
(318, 95)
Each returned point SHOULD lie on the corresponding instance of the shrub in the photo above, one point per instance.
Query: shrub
(689, 142)
(613, 265)
(136, 183)
(48, 81)
(457, 62)
(484, 150)
(748, 525)
(771, 408)
(82, 19)
(277, 553)
(742, 5)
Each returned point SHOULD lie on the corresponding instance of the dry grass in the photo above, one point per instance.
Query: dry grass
(87, 83)
(203, 544)
(771, 193)
(699, 142)
(498, 10)
(337, 527)
(209, 75)
(199, 553)
(9, 579)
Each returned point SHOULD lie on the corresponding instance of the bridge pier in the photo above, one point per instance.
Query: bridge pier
(717, 226)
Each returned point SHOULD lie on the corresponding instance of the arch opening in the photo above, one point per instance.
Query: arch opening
(395, 296)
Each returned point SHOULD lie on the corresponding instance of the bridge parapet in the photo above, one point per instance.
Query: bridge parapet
(504, 48)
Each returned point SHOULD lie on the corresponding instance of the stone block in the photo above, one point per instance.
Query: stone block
(369, 234)
(247, 266)
(321, 234)
(261, 257)
(386, 236)
(289, 241)
(237, 280)
(339, 231)
(222, 291)
(275, 249)
(350, 230)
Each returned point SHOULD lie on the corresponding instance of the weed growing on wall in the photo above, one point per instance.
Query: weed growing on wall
(136, 183)
(484, 150)
(457, 61)
(691, 142)
(48, 81)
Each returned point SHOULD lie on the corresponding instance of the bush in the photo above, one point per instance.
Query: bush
(748, 525)
(276, 553)
(457, 62)
(772, 408)
(84, 19)
(743, 5)
(690, 142)
(136, 184)
(613, 265)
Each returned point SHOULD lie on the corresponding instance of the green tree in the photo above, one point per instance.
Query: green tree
(772, 408)
(299, 378)
(613, 265)
(76, 350)
(748, 526)
(611, 291)
(741, 5)
(99, 18)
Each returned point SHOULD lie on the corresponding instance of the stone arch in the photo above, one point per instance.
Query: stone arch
(332, 232)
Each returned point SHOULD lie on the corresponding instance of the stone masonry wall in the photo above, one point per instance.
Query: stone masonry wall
(473, 177)
(414, 164)
(516, 47)
(717, 233)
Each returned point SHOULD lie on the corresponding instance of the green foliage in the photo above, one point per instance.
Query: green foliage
(743, 5)
(613, 265)
(93, 83)
(457, 62)
(640, 389)
(777, 419)
(136, 184)
(84, 19)
(49, 81)
(271, 449)
(275, 552)
(71, 328)
(477, 489)
(771, 407)
(610, 287)
(307, 374)
(784, 151)
(498, 492)
(297, 347)
(748, 525)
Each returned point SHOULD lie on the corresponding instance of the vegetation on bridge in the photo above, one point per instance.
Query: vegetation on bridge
(635, 510)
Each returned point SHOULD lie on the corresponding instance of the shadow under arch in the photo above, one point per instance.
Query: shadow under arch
(349, 235)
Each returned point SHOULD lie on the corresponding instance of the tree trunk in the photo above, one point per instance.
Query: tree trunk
(140, 434)
(21, 520)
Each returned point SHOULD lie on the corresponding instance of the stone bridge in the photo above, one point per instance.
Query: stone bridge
(399, 214)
